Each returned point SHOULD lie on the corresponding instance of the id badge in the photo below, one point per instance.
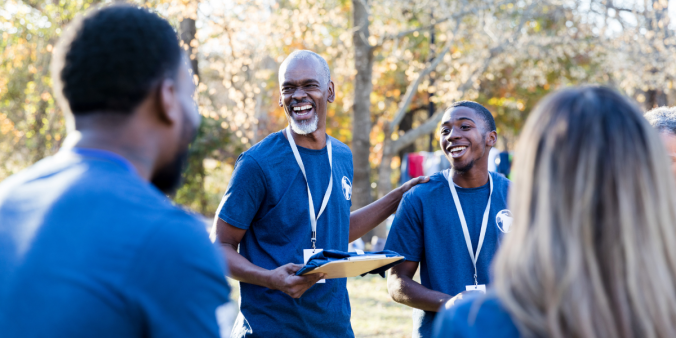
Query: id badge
(307, 253)
(480, 288)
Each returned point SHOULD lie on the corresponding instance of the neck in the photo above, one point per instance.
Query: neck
(315, 140)
(142, 158)
(473, 178)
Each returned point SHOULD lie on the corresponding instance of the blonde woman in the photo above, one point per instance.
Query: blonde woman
(592, 250)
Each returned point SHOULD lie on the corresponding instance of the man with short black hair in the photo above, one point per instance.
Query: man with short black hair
(452, 225)
(664, 120)
(89, 244)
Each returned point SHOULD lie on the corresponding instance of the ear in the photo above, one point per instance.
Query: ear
(168, 109)
(280, 99)
(492, 138)
(332, 92)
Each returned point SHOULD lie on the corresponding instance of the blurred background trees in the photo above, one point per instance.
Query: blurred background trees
(396, 66)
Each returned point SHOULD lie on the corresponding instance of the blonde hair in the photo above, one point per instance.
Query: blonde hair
(592, 251)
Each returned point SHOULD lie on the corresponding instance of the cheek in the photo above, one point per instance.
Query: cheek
(192, 112)
(318, 97)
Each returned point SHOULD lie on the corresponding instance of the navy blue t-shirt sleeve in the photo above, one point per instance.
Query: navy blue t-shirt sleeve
(178, 285)
(406, 234)
(245, 193)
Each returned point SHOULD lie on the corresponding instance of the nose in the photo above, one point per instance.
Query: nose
(298, 94)
(453, 135)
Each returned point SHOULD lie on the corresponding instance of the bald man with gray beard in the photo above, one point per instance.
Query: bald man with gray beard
(265, 222)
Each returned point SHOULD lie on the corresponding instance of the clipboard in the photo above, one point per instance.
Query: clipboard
(354, 266)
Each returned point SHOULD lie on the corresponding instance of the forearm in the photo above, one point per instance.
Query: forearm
(368, 217)
(406, 291)
(243, 270)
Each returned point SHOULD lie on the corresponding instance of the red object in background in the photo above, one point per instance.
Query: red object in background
(415, 165)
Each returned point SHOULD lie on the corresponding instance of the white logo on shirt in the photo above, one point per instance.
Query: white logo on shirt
(347, 188)
(504, 220)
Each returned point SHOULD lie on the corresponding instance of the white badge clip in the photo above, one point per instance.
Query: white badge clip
(475, 287)
(307, 253)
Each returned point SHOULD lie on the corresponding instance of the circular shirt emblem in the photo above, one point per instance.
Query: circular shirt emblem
(504, 220)
(347, 188)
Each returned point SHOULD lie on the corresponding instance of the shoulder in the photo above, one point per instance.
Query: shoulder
(46, 167)
(268, 147)
(436, 184)
(340, 148)
(476, 316)
(180, 229)
(501, 182)
(182, 239)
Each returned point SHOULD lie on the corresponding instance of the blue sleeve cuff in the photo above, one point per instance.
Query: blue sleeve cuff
(233, 222)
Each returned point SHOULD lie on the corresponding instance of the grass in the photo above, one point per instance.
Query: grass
(374, 313)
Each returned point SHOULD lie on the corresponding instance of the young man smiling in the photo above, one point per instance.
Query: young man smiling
(289, 196)
(460, 211)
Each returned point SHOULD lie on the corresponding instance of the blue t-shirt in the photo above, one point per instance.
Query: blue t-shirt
(427, 229)
(477, 316)
(89, 249)
(267, 196)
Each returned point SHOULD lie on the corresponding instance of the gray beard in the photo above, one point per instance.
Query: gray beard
(305, 127)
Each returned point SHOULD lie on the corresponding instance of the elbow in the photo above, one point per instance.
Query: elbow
(395, 287)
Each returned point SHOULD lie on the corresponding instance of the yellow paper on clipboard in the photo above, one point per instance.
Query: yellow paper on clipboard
(354, 266)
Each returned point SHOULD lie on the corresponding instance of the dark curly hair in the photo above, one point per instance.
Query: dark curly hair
(116, 56)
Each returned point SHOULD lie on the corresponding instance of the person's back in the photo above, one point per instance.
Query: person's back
(477, 316)
(590, 251)
(89, 249)
(89, 244)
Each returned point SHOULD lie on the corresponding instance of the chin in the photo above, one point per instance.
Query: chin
(462, 166)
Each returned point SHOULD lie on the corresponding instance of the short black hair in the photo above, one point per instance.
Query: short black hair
(481, 110)
(117, 55)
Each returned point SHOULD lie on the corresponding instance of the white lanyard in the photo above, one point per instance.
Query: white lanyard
(313, 220)
(449, 176)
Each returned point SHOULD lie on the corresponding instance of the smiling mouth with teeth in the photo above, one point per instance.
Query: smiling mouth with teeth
(457, 151)
(306, 107)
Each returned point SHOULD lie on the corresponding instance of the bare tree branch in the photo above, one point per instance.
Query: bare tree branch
(455, 16)
(429, 125)
(413, 87)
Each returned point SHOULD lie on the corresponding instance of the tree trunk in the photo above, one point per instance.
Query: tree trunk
(384, 180)
(658, 23)
(40, 150)
(405, 125)
(361, 110)
(655, 98)
(188, 31)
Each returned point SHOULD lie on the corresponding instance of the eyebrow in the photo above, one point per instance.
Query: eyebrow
(459, 118)
(466, 118)
(306, 81)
